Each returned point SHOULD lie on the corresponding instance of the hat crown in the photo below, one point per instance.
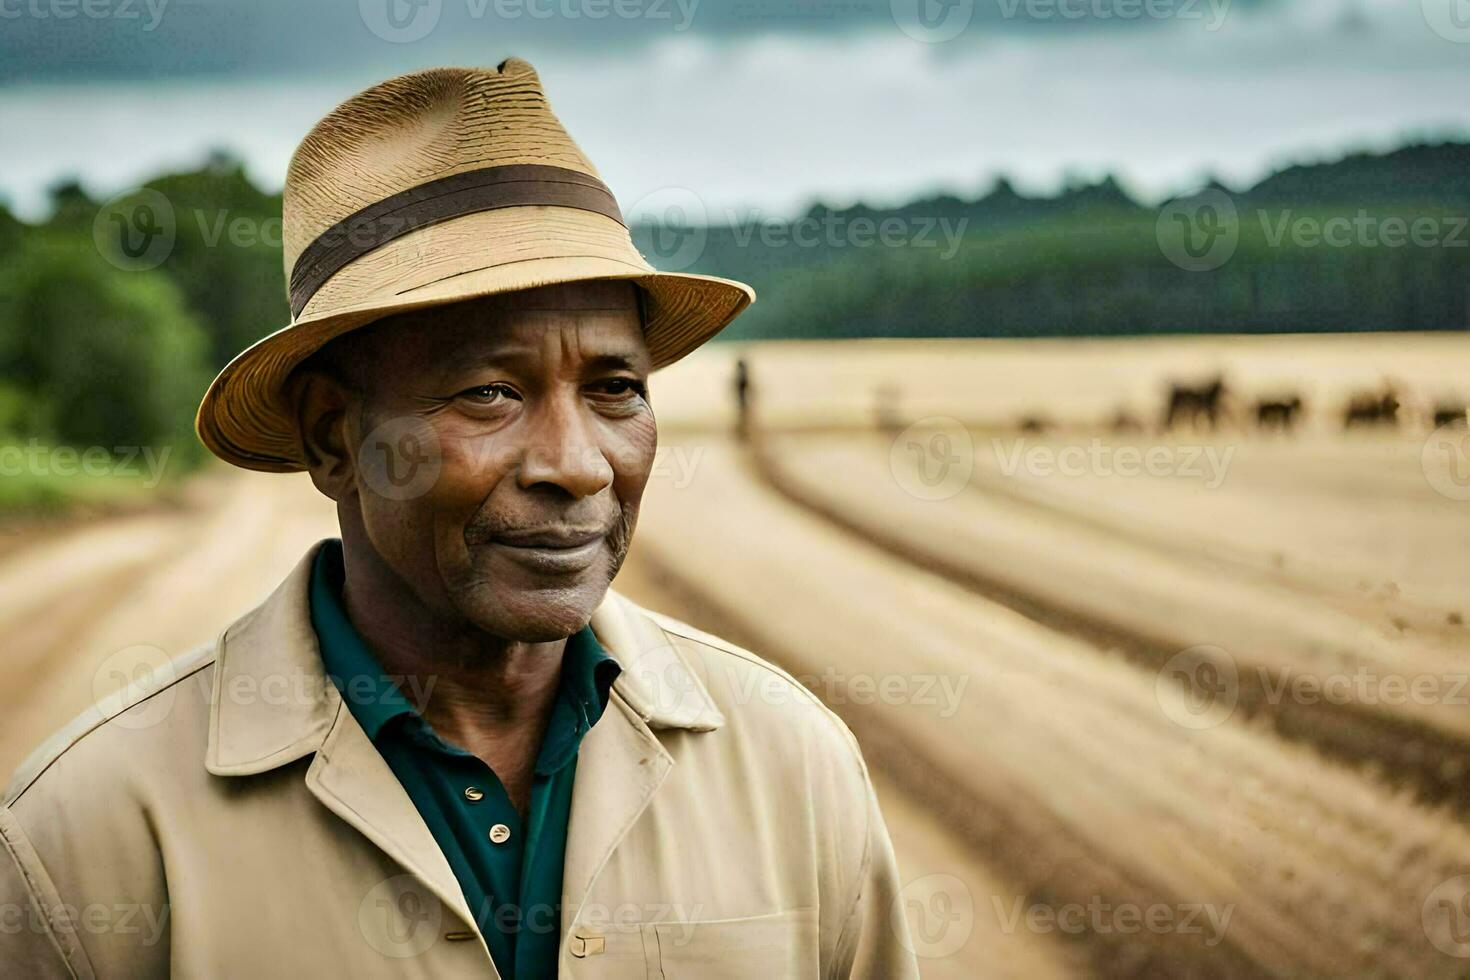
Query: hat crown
(413, 129)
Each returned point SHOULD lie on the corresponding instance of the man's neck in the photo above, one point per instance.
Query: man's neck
(490, 695)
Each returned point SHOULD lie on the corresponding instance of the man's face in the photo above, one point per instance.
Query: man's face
(499, 450)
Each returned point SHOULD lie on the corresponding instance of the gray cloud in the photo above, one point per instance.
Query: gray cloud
(88, 40)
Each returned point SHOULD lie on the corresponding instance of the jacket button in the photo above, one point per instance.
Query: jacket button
(581, 946)
(499, 833)
(474, 794)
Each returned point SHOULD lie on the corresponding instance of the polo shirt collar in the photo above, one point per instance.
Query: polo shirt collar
(371, 696)
(587, 671)
(587, 675)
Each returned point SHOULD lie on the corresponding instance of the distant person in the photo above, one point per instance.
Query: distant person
(742, 400)
(886, 411)
(443, 747)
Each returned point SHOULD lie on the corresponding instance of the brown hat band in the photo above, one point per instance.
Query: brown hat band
(514, 185)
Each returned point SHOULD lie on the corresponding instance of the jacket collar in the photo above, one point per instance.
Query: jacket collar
(272, 702)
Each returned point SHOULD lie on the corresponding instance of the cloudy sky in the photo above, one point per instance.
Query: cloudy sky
(754, 104)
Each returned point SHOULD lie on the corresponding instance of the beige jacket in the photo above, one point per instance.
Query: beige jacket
(233, 820)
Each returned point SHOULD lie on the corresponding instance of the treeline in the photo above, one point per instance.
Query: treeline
(114, 315)
(1369, 242)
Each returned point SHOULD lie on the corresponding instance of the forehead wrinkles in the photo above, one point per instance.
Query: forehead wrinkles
(566, 339)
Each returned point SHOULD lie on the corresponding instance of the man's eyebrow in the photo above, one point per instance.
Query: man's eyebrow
(610, 362)
(519, 355)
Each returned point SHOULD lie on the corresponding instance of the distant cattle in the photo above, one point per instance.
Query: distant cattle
(1372, 408)
(1195, 405)
(1278, 414)
(1451, 414)
(1125, 421)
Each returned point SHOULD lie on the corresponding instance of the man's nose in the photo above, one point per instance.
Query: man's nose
(563, 451)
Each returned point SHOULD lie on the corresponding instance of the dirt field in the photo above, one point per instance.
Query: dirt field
(1186, 703)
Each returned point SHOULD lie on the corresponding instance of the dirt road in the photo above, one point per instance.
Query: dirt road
(1076, 774)
(81, 610)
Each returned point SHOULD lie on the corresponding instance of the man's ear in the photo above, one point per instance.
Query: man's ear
(323, 419)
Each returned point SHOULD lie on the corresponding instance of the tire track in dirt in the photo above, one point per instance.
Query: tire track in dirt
(924, 844)
(1061, 766)
(1149, 607)
(32, 577)
(1346, 590)
(170, 582)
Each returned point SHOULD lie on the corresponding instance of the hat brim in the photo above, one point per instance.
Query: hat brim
(244, 418)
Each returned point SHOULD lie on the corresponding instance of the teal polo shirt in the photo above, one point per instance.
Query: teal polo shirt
(509, 869)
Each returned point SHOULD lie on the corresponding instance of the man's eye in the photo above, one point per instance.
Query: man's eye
(619, 387)
(487, 394)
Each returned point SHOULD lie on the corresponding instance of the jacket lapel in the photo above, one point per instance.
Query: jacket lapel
(621, 763)
(351, 779)
(620, 766)
(273, 704)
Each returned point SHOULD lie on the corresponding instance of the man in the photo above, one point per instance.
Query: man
(443, 747)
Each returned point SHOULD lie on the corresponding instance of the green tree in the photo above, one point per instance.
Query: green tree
(102, 356)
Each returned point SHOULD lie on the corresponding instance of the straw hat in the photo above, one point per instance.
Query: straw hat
(434, 187)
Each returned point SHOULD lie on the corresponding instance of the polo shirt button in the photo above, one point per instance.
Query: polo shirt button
(474, 794)
(499, 833)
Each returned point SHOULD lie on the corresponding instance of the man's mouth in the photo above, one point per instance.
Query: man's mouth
(550, 551)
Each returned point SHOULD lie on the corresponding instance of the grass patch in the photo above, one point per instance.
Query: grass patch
(44, 481)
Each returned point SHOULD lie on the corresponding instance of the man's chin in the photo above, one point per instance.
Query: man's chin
(535, 615)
